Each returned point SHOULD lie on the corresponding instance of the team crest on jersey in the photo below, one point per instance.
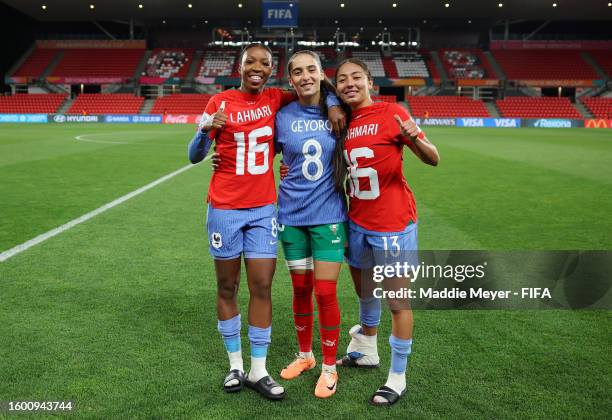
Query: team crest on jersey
(333, 228)
(215, 240)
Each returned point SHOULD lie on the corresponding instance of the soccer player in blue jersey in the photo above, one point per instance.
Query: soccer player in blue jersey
(312, 214)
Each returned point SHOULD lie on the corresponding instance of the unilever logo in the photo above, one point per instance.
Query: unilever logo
(59, 118)
(546, 123)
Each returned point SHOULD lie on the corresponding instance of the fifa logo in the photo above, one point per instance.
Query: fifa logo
(215, 240)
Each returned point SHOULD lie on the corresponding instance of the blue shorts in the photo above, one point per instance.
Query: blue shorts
(252, 232)
(368, 248)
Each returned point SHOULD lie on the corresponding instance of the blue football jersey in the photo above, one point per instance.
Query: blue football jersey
(307, 196)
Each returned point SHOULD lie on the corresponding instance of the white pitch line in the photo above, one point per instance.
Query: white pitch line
(53, 232)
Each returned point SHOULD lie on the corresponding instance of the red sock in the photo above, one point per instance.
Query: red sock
(329, 319)
(303, 308)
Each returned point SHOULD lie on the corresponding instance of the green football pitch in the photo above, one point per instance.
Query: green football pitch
(118, 313)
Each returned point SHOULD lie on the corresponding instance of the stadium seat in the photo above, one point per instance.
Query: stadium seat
(106, 103)
(217, 63)
(384, 98)
(539, 107)
(372, 60)
(544, 64)
(466, 64)
(24, 103)
(181, 103)
(446, 106)
(36, 63)
(104, 62)
(604, 59)
(410, 64)
(167, 63)
(599, 107)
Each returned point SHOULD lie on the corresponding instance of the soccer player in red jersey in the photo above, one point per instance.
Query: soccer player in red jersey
(382, 216)
(241, 217)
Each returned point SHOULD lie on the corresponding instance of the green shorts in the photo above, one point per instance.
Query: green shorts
(321, 242)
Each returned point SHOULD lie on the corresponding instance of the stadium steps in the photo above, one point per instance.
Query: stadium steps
(492, 109)
(583, 109)
(147, 106)
(196, 61)
(439, 66)
(46, 72)
(21, 60)
(142, 64)
(499, 73)
(65, 106)
(589, 59)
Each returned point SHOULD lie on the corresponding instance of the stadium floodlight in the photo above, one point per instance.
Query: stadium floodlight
(92, 6)
(140, 6)
(394, 4)
(341, 4)
(240, 5)
(500, 5)
(447, 5)
(44, 7)
(190, 5)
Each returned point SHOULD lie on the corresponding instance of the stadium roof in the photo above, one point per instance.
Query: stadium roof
(81, 10)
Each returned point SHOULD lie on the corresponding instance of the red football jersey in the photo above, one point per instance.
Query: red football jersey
(246, 146)
(380, 199)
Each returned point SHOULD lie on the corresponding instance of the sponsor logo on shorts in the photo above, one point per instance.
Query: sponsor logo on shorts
(215, 240)
(300, 328)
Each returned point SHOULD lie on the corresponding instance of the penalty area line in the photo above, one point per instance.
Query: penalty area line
(63, 228)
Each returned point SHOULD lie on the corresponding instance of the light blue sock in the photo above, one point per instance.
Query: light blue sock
(260, 340)
(400, 352)
(369, 311)
(230, 331)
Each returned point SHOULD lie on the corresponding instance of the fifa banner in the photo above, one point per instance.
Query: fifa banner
(23, 118)
(134, 119)
(489, 122)
(64, 118)
(279, 14)
(551, 123)
(489, 279)
(597, 123)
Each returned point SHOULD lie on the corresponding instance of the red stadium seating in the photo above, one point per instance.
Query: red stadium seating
(545, 107)
(390, 68)
(23, 103)
(98, 63)
(544, 64)
(106, 103)
(599, 107)
(604, 59)
(181, 103)
(446, 106)
(36, 63)
(384, 98)
(168, 62)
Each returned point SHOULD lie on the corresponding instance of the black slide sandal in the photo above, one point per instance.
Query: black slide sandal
(264, 387)
(234, 374)
(387, 393)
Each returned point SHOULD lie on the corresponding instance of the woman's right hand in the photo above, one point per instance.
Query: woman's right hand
(284, 170)
(216, 120)
(215, 161)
